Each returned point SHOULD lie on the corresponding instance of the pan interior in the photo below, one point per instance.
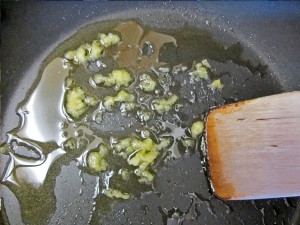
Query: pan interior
(180, 191)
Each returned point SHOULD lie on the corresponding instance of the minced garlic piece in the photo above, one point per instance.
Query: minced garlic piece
(77, 102)
(96, 162)
(163, 105)
(95, 159)
(91, 52)
(216, 84)
(85, 53)
(125, 174)
(200, 71)
(116, 78)
(109, 39)
(123, 97)
(140, 153)
(147, 83)
(197, 128)
(114, 193)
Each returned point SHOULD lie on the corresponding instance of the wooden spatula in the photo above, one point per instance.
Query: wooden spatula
(253, 148)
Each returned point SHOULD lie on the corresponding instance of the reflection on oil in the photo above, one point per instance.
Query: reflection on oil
(176, 217)
(43, 111)
(28, 171)
(134, 38)
(41, 116)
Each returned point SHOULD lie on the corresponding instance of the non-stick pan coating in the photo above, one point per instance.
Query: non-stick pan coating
(270, 32)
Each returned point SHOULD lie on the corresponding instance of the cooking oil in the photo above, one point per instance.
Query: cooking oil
(168, 56)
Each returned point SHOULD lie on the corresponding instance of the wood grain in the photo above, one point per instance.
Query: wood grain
(253, 148)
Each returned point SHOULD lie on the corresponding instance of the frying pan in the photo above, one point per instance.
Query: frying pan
(269, 33)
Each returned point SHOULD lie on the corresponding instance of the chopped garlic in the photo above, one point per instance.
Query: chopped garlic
(95, 51)
(147, 83)
(141, 154)
(96, 162)
(145, 155)
(125, 174)
(108, 103)
(91, 52)
(164, 143)
(116, 77)
(114, 193)
(81, 55)
(109, 39)
(77, 102)
(197, 128)
(122, 97)
(70, 55)
(163, 105)
(85, 53)
(188, 142)
(216, 84)
(205, 63)
(103, 150)
(200, 71)
(144, 115)
(146, 177)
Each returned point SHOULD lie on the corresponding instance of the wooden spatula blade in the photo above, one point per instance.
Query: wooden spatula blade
(253, 148)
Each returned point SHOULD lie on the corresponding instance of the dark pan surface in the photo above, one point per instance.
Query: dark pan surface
(268, 32)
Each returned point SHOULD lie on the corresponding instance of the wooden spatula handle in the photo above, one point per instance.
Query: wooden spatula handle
(254, 148)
